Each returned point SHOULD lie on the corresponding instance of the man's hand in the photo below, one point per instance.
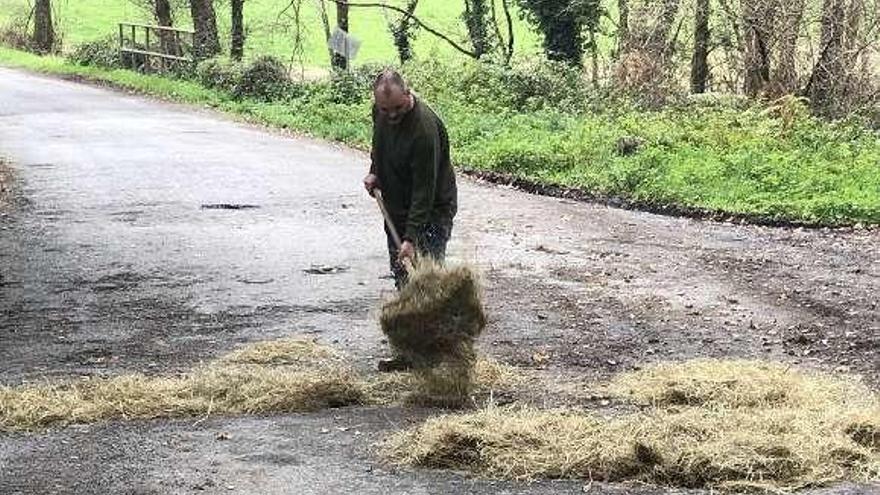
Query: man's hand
(371, 182)
(407, 252)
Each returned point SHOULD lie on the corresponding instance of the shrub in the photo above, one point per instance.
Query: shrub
(14, 33)
(524, 86)
(265, 79)
(103, 52)
(353, 87)
(218, 74)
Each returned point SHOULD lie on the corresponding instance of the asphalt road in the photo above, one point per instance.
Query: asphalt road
(146, 236)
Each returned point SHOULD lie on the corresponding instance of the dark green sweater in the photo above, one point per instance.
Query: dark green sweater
(412, 162)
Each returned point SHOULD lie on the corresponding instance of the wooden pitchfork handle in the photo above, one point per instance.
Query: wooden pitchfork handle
(377, 193)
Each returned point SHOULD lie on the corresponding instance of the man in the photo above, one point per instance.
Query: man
(411, 166)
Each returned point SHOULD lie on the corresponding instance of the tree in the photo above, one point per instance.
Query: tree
(830, 70)
(163, 13)
(643, 67)
(207, 43)
(758, 19)
(562, 23)
(784, 73)
(622, 25)
(402, 32)
(505, 47)
(237, 49)
(647, 26)
(339, 61)
(476, 18)
(342, 18)
(700, 60)
(44, 32)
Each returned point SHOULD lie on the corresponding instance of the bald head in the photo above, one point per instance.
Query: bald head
(389, 79)
(392, 96)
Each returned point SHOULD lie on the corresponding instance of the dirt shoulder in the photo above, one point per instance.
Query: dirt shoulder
(6, 182)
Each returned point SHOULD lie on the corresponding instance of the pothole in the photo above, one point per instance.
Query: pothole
(228, 206)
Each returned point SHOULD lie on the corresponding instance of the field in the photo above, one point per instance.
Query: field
(271, 32)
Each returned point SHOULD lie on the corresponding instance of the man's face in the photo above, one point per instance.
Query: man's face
(393, 103)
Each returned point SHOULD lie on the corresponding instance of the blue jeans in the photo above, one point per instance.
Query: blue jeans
(430, 241)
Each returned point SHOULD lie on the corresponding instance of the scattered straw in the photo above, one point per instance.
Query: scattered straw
(728, 435)
(736, 383)
(286, 352)
(283, 380)
(489, 376)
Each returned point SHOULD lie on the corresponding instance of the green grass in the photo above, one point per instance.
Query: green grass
(742, 162)
(270, 33)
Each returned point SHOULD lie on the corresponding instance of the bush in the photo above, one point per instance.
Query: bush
(12, 37)
(14, 33)
(103, 52)
(717, 100)
(265, 79)
(217, 73)
(353, 87)
(17, 32)
(522, 87)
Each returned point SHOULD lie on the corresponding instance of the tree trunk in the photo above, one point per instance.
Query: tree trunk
(755, 21)
(645, 47)
(659, 38)
(855, 17)
(325, 21)
(511, 40)
(563, 41)
(402, 33)
(830, 70)
(162, 12)
(594, 58)
(237, 49)
(832, 87)
(785, 74)
(700, 61)
(475, 15)
(339, 61)
(505, 47)
(207, 43)
(622, 26)
(44, 33)
(562, 23)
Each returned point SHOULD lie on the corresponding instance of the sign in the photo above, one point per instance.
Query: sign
(344, 44)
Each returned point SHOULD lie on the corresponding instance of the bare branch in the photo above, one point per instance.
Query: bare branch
(415, 19)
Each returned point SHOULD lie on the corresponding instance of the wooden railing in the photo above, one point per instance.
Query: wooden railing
(156, 44)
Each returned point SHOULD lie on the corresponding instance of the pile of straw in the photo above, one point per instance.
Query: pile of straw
(705, 424)
(276, 377)
(433, 322)
(436, 316)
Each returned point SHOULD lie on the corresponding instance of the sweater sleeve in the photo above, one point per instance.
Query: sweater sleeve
(374, 149)
(425, 155)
